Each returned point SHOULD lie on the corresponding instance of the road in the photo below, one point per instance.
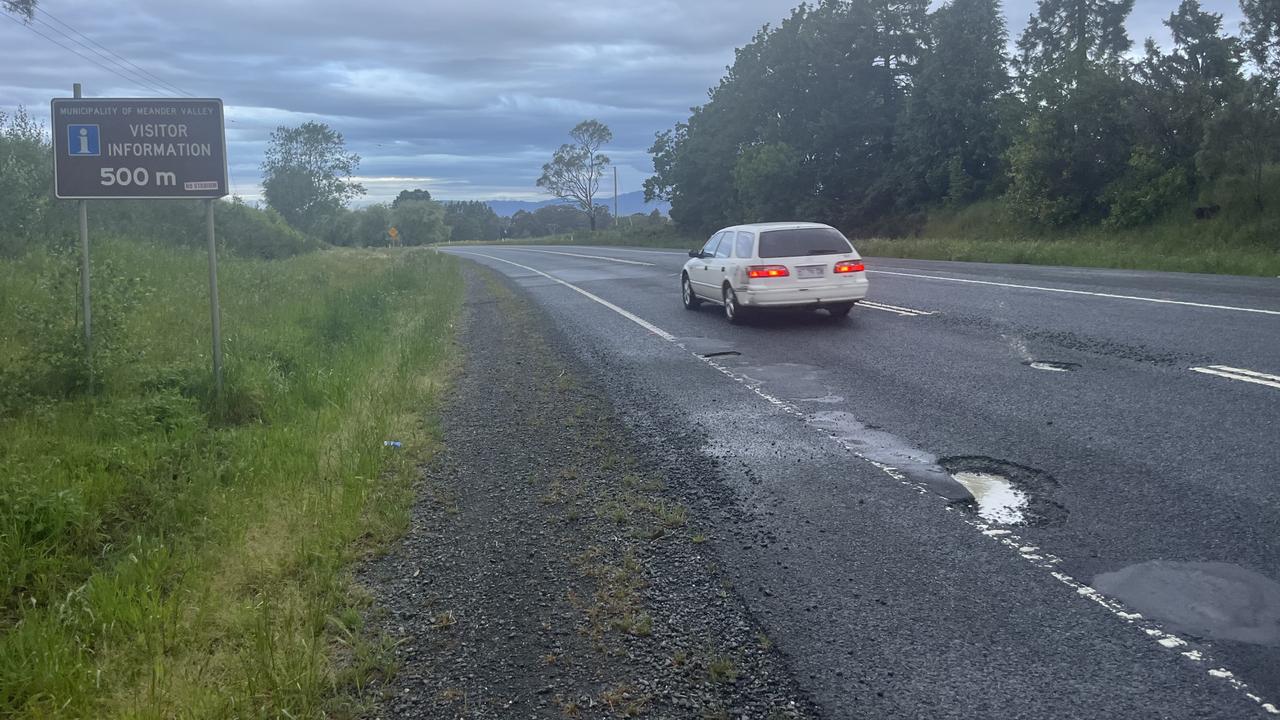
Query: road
(1150, 461)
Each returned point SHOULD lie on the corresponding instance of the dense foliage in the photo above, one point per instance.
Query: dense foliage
(875, 114)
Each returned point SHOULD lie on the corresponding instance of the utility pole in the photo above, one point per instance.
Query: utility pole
(83, 209)
(615, 196)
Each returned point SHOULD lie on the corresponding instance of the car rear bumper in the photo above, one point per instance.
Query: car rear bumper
(850, 290)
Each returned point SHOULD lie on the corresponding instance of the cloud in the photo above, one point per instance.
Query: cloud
(465, 98)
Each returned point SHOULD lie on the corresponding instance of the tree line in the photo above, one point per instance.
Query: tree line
(871, 114)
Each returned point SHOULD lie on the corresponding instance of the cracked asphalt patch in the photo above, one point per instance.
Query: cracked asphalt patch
(546, 572)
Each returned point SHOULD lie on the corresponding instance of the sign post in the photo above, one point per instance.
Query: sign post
(83, 211)
(113, 148)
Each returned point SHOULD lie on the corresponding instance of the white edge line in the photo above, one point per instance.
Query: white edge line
(1082, 292)
(593, 257)
(633, 318)
(1166, 640)
(1235, 376)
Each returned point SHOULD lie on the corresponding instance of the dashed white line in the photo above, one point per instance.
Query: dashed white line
(1241, 374)
(1112, 296)
(907, 312)
(1003, 536)
(593, 257)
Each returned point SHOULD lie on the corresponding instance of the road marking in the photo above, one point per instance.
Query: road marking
(908, 312)
(593, 257)
(633, 318)
(651, 252)
(1005, 537)
(1082, 292)
(1249, 376)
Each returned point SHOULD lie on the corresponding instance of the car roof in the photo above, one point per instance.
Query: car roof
(761, 227)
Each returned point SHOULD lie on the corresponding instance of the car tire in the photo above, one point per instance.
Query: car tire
(840, 311)
(690, 300)
(733, 311)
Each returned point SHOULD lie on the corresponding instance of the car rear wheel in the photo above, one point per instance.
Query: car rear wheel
(691, 301)
(733, 312)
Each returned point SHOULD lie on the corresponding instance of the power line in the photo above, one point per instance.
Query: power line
(119, 58)
(115, 66)
(130, 80)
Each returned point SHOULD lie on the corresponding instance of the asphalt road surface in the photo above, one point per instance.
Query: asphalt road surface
(1121, 556)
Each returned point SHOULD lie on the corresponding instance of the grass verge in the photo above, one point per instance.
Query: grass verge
(166, 555)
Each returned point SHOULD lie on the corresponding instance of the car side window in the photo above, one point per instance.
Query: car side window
(710, 248)
(743, 249)
(726, 245)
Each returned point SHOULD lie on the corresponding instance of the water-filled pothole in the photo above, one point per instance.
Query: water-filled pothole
(996, 499)
(1051, 365)
(1006, 493)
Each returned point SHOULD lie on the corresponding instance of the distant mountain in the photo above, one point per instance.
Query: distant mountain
(628, 204)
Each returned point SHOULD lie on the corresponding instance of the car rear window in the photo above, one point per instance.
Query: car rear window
(805, 241)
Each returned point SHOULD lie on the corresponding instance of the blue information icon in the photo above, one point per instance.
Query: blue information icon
(83, 141)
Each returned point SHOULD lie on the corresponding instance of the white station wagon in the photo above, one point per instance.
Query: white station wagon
(769, 265)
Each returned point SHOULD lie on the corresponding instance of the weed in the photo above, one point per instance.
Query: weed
(721, 669)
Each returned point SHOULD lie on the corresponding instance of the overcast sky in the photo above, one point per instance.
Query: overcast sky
(466, 98)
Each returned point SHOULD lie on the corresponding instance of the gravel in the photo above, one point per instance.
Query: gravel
(547, 570)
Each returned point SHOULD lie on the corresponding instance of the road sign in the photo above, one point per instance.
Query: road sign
(394, 233)
(139, 148)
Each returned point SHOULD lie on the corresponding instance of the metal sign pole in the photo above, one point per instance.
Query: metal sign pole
(215, 310)
(83, 209)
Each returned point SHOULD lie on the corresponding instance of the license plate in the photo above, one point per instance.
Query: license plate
(811, 271)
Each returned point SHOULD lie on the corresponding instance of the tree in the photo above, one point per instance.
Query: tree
(1261, 29)
(24, 8)
(26, 181)
(1175, 96)
(472, 220)
(410, 195)
(575, 169)
(1244, 136)
(953, 137)
(765, 178)
(1067, 38)
(420, 222)
(307, 174)
(1078, 137)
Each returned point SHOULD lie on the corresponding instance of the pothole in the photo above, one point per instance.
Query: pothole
(1205, 599)
(1006, 493)
(1051, 365)
(997, 500)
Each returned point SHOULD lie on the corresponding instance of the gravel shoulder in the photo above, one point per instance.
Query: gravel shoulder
(546, 571)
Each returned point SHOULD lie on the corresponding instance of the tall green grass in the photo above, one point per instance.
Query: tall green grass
(163, 554)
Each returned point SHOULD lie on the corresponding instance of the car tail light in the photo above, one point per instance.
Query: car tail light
(849, 266)
(767, 271)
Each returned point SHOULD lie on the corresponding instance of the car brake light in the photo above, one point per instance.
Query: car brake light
(767, 271)
(849, 266)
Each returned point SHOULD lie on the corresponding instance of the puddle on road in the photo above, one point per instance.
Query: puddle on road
(1207, 599)
(1007, 493)
(997, 500)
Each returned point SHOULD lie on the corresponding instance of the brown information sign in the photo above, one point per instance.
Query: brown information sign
(139, 148)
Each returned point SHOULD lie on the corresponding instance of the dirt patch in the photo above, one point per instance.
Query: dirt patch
(546, 571)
